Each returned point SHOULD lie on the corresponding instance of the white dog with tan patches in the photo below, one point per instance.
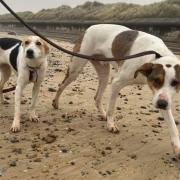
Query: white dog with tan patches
(162, 74)
(28, 59)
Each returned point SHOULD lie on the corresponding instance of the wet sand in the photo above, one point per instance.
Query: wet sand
(72, 143)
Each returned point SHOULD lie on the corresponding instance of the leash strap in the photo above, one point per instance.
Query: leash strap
(73, 53)
(9, 89)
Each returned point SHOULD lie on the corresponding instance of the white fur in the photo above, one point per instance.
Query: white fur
(39, 62)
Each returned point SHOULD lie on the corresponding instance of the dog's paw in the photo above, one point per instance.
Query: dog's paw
(15, 128)
(176, 151)
(55, 104)
(33, 117)
(112, 127)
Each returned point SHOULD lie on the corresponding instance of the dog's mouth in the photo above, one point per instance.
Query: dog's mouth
(30, 56)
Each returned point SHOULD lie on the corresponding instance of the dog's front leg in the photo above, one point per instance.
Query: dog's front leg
(35, 92)
(173, 131)
(17, 115)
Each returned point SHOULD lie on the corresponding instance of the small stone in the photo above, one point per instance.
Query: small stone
(108, 172)
(17, 150)
(108, 148)
(51, 89)
(12, 163)
(14, 140)
(103, 153)
(133, 156)
(45, 170)
(174, 159)
(171, 165)
(24, 101)
(32, 155)
(160, 118)
(50, 138)
(155, 131)
(63, 150)
(118, 108)
(72, 163)
(37, 160)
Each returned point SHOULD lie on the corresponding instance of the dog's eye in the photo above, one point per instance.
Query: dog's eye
(26, 42)
(174, 83)
(38, 43)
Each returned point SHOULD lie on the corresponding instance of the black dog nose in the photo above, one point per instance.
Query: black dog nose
(30, 53)
(162, 104)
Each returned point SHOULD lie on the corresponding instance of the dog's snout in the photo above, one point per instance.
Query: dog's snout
(30, 53)
(162, 104)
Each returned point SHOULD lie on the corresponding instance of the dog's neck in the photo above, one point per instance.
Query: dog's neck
(34, 71)
(34, 63)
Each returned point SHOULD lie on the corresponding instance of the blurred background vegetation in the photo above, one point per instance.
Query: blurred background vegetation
(96, 11)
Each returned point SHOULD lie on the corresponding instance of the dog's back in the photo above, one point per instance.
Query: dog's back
(9, 48)
(98, 39)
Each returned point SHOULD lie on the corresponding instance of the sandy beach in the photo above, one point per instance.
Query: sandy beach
(72, 143)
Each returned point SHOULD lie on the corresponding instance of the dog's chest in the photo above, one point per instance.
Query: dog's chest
(33, 74)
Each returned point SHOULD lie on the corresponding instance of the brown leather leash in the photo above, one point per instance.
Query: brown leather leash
(73, 53)
(83, 56)
(9, 89)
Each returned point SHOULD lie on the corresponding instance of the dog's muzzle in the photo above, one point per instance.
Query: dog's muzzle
(162, 104)
(30, 54)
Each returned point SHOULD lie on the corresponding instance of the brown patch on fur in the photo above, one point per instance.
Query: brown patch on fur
(155, 74)
(26, 41)
(177, 76)
(123, 43)
(45, 46)
(168, 65)
(145, 69)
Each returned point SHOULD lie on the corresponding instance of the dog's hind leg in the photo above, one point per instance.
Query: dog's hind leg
(103, 75)
(5, 72)
(74, 69)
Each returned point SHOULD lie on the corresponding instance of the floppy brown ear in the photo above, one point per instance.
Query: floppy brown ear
(177, 70)
(145, 69)
(25, 39)
(46, 47)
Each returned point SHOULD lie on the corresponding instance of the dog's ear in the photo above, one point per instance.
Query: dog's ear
(46, 47)
(177, 71)
(145, 69)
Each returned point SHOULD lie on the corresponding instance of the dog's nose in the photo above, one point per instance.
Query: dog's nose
(30, 53)
(162, 104)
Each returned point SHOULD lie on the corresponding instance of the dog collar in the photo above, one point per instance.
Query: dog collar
(33, 72)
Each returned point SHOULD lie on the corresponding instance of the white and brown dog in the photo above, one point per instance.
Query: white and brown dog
(28, 59)
(162, 74)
